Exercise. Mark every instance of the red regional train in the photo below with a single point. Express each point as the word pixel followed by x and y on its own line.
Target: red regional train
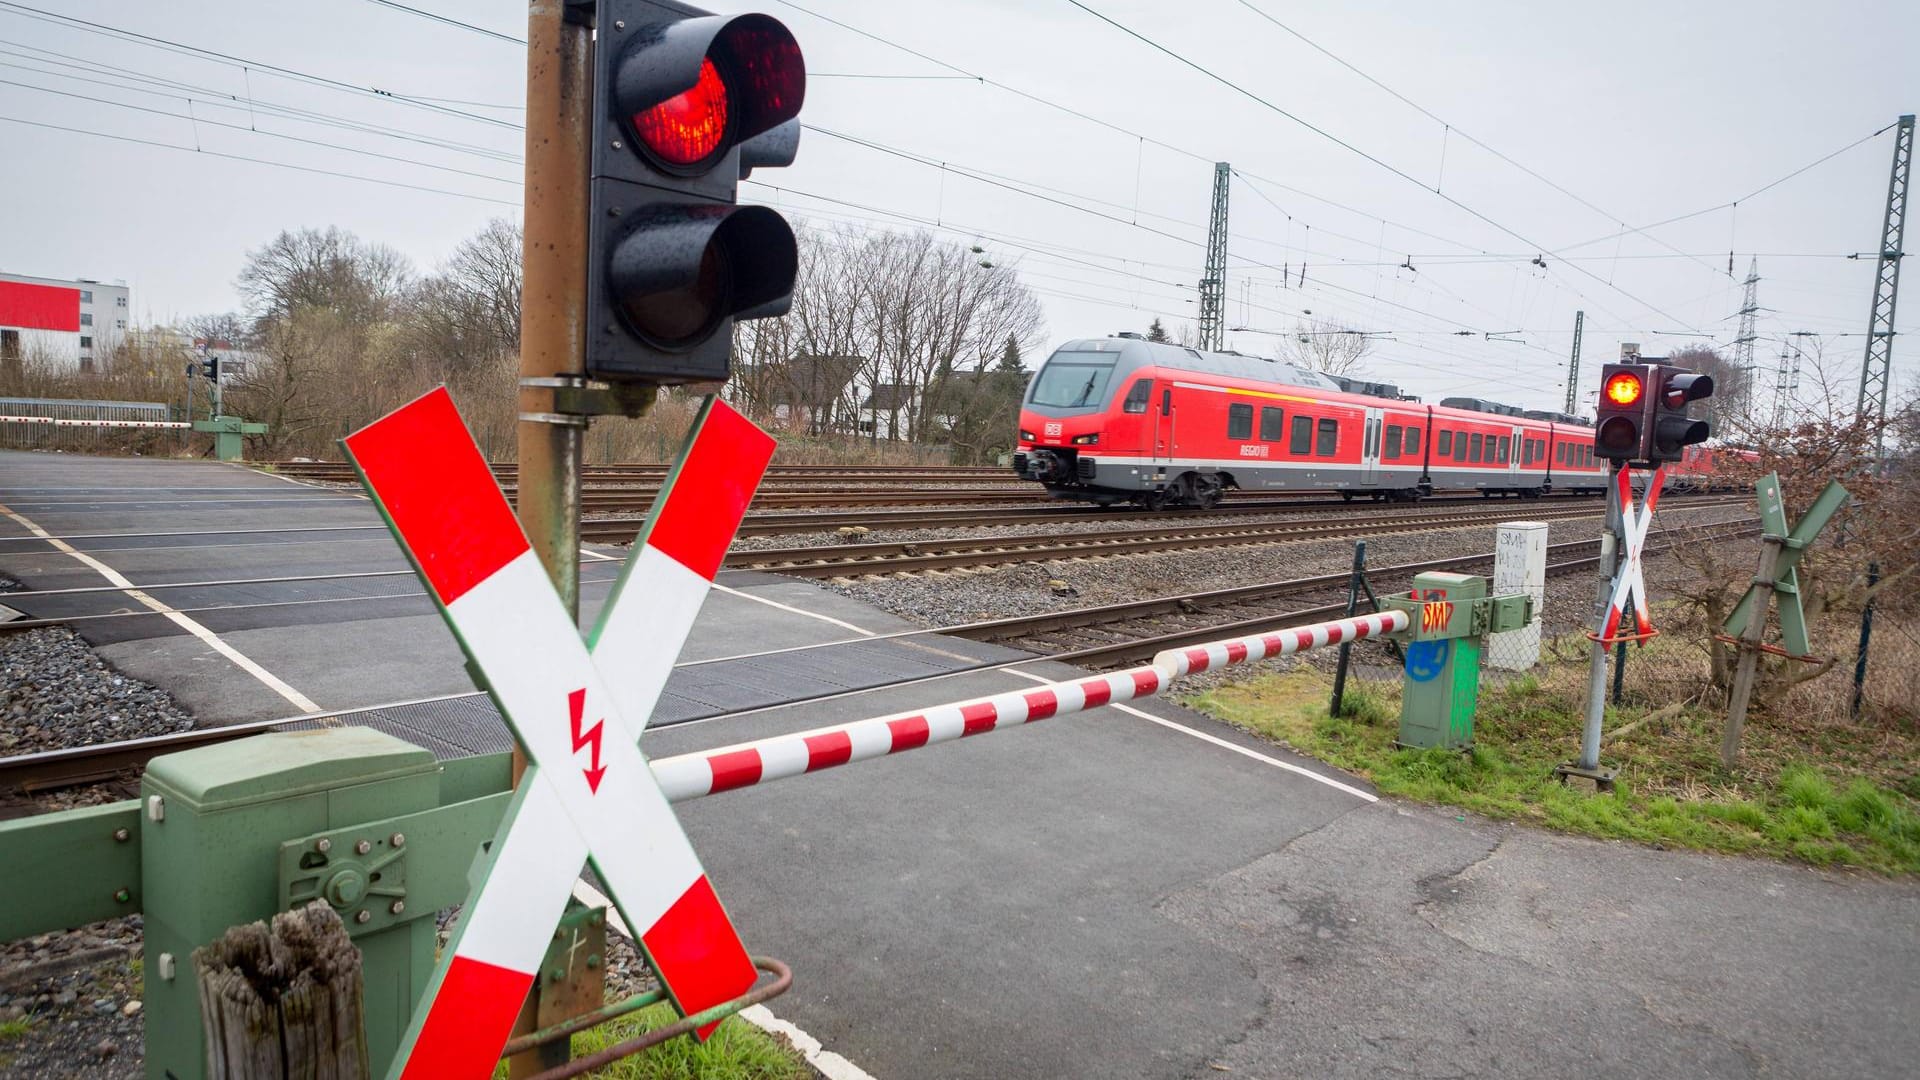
pixel 1123 419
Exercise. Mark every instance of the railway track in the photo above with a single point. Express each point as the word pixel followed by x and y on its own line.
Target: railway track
pixel 1115 635
pixel 340 472
pixel 851 560
pixel 1133 631
pixel 620 530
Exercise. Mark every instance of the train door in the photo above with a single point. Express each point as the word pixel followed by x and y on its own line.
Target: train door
pixel 1514 451
pixel 1370 448
pixel 1163 428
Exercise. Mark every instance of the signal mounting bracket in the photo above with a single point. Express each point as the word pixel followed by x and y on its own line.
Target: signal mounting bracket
pixel 577 398
pixel 580 12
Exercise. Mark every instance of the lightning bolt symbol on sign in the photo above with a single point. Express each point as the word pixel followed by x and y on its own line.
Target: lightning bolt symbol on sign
pixel 576 711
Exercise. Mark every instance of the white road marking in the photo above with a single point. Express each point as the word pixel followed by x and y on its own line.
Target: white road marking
pixel 831 1065
pixel 212 640
pixel 1217 741
pixel 794 610
pixel 361 495
pixel 592 554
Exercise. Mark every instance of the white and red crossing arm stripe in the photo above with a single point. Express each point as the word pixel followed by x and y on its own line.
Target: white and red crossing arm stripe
pixel 709 772
pixel 1199 658
pixel 589 793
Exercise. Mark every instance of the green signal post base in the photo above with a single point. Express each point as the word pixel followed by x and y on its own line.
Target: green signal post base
pixel 228 434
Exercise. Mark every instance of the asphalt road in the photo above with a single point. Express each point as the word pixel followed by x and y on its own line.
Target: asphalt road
pixel 1099 896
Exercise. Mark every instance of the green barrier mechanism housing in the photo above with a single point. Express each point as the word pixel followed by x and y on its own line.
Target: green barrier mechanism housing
pixel 1451 616
pixel 233 833
pixel 229 435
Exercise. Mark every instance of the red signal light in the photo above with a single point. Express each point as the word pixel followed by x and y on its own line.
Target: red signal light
pixel 1624 388
pixel 689 127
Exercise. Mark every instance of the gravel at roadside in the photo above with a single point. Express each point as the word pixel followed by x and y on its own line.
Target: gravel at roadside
pixel 55 692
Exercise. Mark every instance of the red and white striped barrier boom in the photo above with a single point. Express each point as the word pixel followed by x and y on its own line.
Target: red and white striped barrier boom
pixel 61 421
pixel 692 776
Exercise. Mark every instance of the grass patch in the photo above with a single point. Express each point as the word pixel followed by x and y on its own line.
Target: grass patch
pixel 737 1051
pixel 16 1029
pixel 1671 789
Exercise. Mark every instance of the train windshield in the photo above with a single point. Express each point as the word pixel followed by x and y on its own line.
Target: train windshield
pixel 1072 380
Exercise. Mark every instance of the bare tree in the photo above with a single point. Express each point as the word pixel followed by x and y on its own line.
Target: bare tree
pixel 323 268
pixel 893 309
pixel 1328 346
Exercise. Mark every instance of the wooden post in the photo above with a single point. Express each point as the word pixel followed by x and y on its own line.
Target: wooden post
pixel 1743 675
pixel 284 1003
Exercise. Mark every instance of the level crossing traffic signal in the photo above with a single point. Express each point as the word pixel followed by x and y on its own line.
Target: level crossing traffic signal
pixel 1673 429
pixel 1622 427
pixel 686 104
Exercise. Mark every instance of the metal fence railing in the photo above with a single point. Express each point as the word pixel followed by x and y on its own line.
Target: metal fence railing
pixel 78 424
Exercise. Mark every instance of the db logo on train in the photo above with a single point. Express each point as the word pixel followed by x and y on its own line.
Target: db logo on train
pixel 1436 612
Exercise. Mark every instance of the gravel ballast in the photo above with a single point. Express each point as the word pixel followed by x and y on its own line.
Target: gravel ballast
pixel 55 693
pixel 953 597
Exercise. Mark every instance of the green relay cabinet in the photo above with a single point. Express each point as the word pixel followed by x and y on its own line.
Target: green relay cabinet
pixel 236 832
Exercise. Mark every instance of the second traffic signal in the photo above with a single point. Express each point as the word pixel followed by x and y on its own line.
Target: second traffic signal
pixel 685 105
pixel 1673 430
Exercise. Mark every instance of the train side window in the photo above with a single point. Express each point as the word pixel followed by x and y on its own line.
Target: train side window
pixel 1302 436
pixel 1446 444
pixel 1329 438
pixel 1586 455
pixel 1526 452
pixel 1560 454
pixel 1166 401
pixel 1393 442
pixel 1273 426
pixel 1138 397
pixel 1506 449
pixel 1473 447
pixel 1239 421
pixel 1412 446
pixel 1459 446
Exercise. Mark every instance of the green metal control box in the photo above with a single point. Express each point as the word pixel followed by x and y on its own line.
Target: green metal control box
pixel 1450 615
pixel 234 832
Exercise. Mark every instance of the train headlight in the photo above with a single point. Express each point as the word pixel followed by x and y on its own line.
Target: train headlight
pixel 1027 436
pixel 1087 440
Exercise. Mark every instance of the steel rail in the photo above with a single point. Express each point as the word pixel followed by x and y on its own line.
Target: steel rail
pixel 852 560
pixel 53 769
pixel 767 559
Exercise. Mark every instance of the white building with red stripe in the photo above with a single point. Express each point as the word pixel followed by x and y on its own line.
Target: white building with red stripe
pixel 71 324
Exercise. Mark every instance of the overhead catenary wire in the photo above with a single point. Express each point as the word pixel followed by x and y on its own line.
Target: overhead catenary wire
pixel 961 73
pixel 1344 144
pixel 1142 139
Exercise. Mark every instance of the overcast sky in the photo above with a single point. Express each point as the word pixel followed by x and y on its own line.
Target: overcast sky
pixel 1642 110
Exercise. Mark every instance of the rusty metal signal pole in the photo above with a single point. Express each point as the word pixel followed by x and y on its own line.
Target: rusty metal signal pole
pixel 553 298
pixel 553 318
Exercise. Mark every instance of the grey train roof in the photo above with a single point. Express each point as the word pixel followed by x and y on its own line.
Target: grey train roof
pixel 1138 352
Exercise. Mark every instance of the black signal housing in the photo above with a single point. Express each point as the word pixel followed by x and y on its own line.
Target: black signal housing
pixel 1674 430
pixel 686 103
